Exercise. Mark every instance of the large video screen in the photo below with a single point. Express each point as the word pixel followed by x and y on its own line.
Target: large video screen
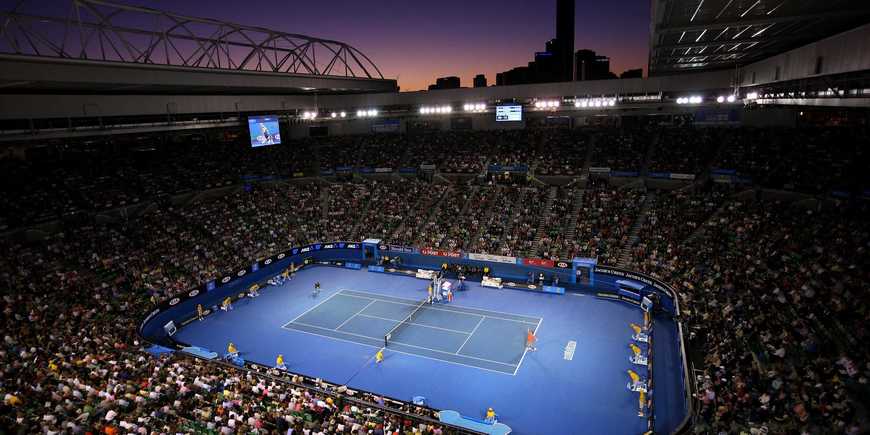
pixel 264 130
pixel 509 113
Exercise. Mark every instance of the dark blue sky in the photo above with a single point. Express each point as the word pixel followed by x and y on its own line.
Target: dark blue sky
pixel 418 41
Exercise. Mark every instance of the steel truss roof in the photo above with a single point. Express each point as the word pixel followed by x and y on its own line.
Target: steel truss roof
pixel 711 34
pixel 97 30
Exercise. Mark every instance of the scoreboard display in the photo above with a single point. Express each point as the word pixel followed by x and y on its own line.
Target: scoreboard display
pixel 509 113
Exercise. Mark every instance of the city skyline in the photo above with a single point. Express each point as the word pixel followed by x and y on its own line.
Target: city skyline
pixel 416 45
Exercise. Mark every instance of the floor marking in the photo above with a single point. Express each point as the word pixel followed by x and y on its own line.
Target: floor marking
pixel 344 292
pixel 312 308
pixel 472 333
pixel 404 344
pixel 351 317
pixel 415 324
pixel 527 348
pixel 399 351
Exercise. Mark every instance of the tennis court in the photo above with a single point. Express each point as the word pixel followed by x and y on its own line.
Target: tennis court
pixel 487 340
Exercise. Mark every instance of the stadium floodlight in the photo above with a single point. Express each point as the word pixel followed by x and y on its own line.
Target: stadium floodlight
pixel 752 96
pixel 612 102
pixel 360 113
pixel 343 114
pixel 695 99
pixel 373 112
pixel 720 99
pixel 334 115
pixel 731 99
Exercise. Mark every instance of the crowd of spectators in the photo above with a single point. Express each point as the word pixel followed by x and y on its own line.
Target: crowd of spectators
pixel 775 299
pixel 684 151
pixel 64 179
pixel 603 222
pixel 773 293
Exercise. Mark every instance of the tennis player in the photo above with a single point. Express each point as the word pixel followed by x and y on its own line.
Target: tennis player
pixel 316 291
pixel 530 340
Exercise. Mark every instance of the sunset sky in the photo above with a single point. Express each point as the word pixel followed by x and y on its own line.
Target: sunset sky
pixel 416 41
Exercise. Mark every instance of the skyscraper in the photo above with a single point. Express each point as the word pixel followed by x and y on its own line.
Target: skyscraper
pixel 564 45
pixel 557 63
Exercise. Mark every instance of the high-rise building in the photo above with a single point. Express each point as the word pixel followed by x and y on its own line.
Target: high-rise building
pixel 632 74
pixel 564 46
pixel 451 82
pixel 591 66
pixel 480 81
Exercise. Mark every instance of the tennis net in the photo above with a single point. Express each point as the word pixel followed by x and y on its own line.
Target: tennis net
pixel 404 322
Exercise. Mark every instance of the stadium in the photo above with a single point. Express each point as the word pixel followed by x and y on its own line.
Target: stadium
pixel 218 227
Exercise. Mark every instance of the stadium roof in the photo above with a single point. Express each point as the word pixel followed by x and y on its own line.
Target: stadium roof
pixel 713 34
pixel 106 47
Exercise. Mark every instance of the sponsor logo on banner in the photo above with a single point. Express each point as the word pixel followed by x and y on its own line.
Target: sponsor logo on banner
pixel 329 246
pixel 598 170
pixel 383 170
pixel 282 255
pixel 193 293
pixel 562 265
pixel 150 316
pixel 269 261
pixel 440 253
pixel 305 249
pixel 226 279
pixel 241 273
pixel 540 262
pixel 682 176
pixel 532 286
pixel 352 246
pixel 493 258
pixel 174 301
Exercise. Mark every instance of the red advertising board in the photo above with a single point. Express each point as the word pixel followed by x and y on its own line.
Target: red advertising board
pixel 540 262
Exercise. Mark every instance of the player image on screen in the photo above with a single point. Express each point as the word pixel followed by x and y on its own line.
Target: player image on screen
pixel 264 131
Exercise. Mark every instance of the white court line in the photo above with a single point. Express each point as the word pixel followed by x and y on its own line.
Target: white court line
pixel 399 351
pixel 527 348
pixel 406 344
pixel 312 308
pixel 444 309
pixel 472 333
pixel 415 324
pixel 357 313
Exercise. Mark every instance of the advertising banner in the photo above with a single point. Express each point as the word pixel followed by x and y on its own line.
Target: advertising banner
pixel 540 262
pixel 682 176
pixel 440 253
pixel 493 258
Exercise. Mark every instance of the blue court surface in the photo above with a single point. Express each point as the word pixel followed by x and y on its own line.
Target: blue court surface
pixel 464 356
